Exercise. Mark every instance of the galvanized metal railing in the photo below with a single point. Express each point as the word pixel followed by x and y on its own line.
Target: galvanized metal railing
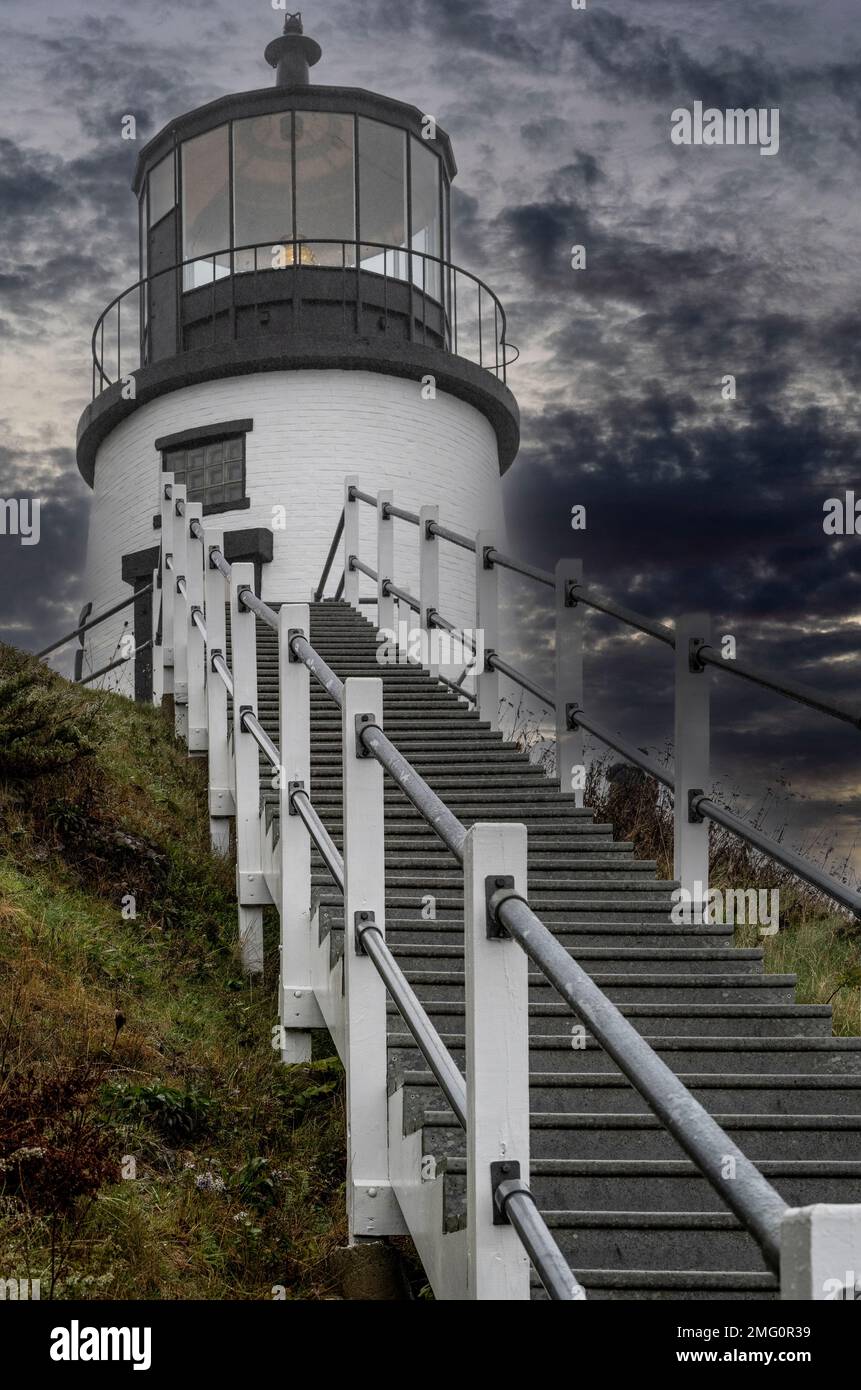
pixel 216 709
pixel 690 641
pixel 282 874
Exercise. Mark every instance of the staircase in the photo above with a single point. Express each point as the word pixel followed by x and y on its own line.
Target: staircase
pixel 631 1213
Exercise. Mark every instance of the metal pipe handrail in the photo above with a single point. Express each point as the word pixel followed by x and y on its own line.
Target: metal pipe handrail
pixel 793 690
pixel 373 943
pixel 389 509
pixel 220 666
pixel 332 857
pixel 435 619
pixel 168 562
pixel 426 801
pixel 251 724
pixel 621 745
pixel 181 586
pixel 458 689
pixel 333 548
pixel 749 1194
pixel 517 1204
pixel 434 529
pixel 495 557
pixel 753 1199
pixel 581 594
pixel 112 665
pixel 496 663
pixel 402 595
pixel 411 1010
pixel 196 530
pixel 340 589
pixel 323 674
pixel 704 806
pixel 218 562
pixel 355 563
pixel 94 622
pixel 248 599
pixel 198 620
pixel 356 495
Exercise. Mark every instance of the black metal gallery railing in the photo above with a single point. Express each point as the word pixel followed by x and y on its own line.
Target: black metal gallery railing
pixel 334 286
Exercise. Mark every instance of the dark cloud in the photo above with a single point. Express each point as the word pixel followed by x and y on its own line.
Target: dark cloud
pixel 699 263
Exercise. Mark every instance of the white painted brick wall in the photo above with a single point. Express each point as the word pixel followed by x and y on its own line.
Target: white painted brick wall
pixel 311 428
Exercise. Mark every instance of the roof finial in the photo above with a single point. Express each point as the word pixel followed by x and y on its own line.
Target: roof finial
pixel 292 54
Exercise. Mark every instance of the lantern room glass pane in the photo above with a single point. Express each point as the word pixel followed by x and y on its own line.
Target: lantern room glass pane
pixel 205 206
pixel 162 190
pixel 262 188
pixel 325 187
pixel 383 196
pixel 426 230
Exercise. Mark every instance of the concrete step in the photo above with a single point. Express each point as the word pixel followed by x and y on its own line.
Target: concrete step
pixel 400 928
pixel 702 963
pixel 658 1020
pixel 797 1091
pixel 552 910
pixel 555 1055
pixel 619 887
pixel 762 1138
pixel 580 869
pixel 661 1185
pixel 673 1285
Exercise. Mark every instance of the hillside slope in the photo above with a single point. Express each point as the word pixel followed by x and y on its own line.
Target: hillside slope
pixel 150 1144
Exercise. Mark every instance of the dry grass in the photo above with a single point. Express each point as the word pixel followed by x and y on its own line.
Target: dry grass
pixel 146 1030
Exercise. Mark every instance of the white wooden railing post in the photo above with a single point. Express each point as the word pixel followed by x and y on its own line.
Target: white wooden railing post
pixel 385 561
pixel 298 1008
pixel 168 583
pixel 428 581
pixel 351 541
pixel 372 1208
pixel 251 890
pixel 691 836
pixel 157 640
pixel 221 804
pixel 820 1253
pixel 497 1060
pixel 180 620
pixel 197 739
pixel 487 626
pixel 570 744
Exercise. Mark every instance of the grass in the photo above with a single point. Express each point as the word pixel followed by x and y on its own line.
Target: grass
pixel 151 1145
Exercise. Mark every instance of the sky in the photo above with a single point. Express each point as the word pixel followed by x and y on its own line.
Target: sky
pixel 701 261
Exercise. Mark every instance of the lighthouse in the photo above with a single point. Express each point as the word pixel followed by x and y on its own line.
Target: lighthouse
pixel 299 316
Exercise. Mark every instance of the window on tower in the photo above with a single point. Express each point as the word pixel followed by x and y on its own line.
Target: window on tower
pixel 205 207
pixel 383 196
pixel 325 185
pixel 210 461
pixel 263 187
pixel 425 229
